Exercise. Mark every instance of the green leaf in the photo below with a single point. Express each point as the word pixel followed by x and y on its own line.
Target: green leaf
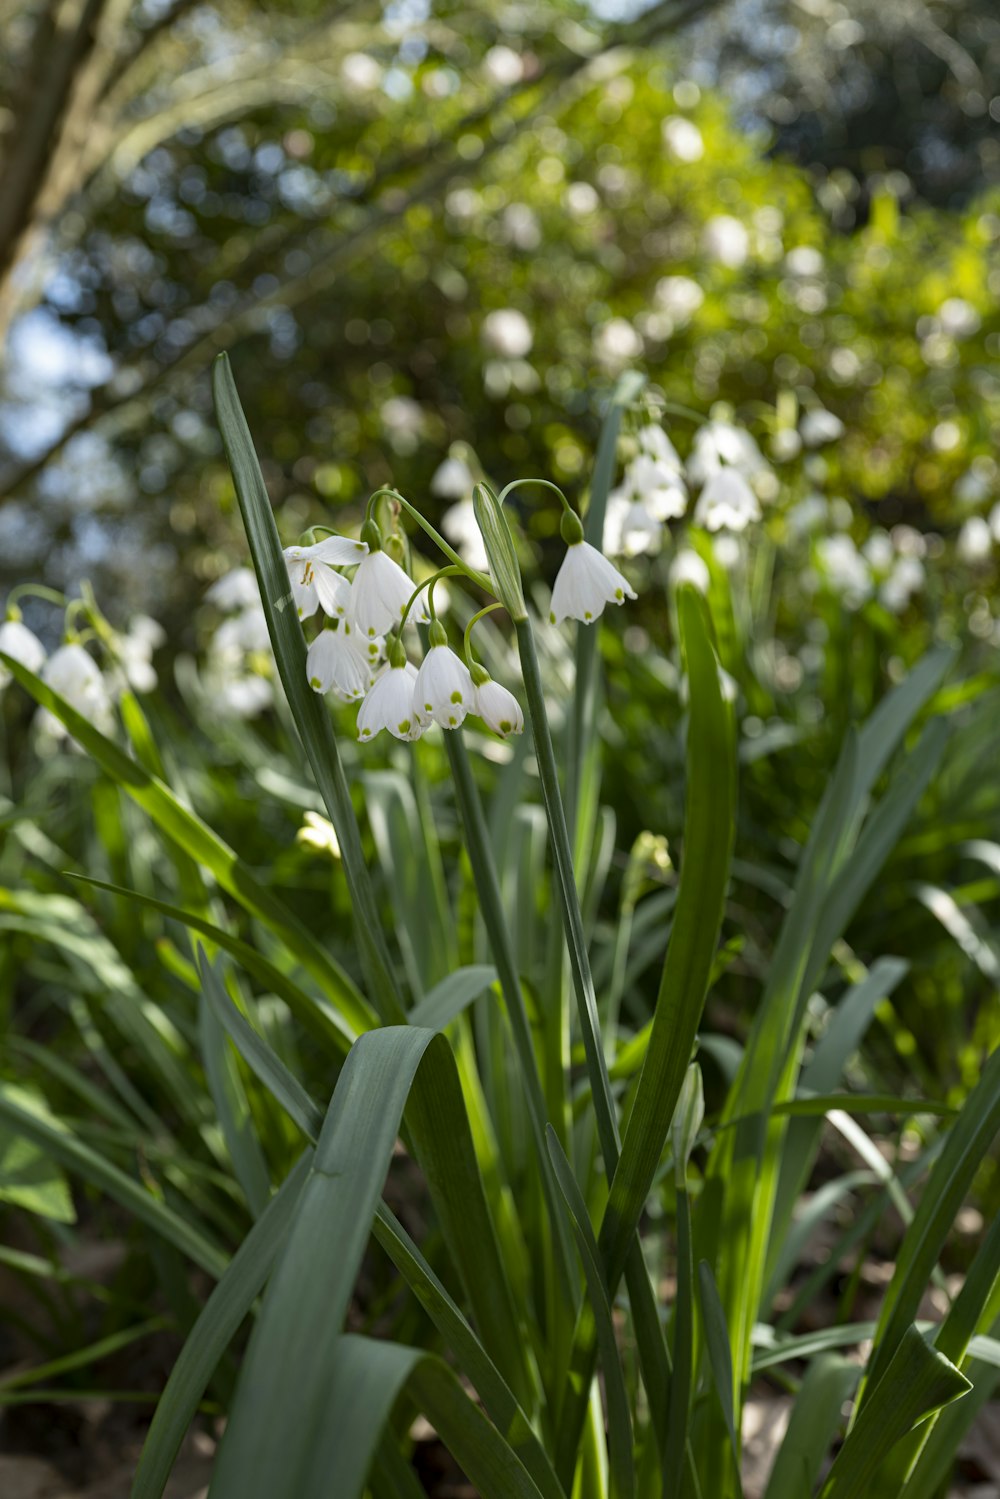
pixel 312 718
pixel 204 846
pixel 30 1179
pixel 708 835
pixel 211 1335
pixel 619 1420
pixel 32 1121
pixel 829 1381
pixel 280 1413
pixel 719 1355
pixel 448 999
pixel 366 1378
pixel 968 1142
pixel 916 1381
pixel 232 1106
pixel 323 1023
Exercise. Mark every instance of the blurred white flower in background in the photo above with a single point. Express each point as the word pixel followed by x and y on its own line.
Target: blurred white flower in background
pixel 727 241
pixel 958 318
pixel 135 650
pixel 236 589
pixel 804 260
pixel 581 199
pixel 452 480
pixel 521 227
pixel 995 522
pixel 975 540
pixel 403 420
pixel 461 528
pixel 22 645
pixel 819 426
pixel 507 333
pixel 808 514
pixel 846 570
pixel 616 342
pixel 720 444
pixel 688 567
pixel 503 66
pixel 726 503
pixel 361 72
pixel 906 579
pixel 679 297
pixel 682 138
pixel 74 674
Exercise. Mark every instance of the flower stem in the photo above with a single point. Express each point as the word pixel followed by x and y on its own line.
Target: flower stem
pixel 495 921
pixel 583 982
pixel 482 580
pixel 467 637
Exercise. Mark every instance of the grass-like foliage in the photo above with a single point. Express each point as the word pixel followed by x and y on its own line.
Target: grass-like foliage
pixel 566 1154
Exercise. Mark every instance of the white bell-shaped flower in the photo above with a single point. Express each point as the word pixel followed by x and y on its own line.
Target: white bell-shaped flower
pixel 444 691
pixel 688 567
pixel 76 676
pixel 586 581
pixel 727 503
pixel 313 579
pixel 379 595
pixel 389 704
pixel 452 479
pixel 236 589
pixel 655 443
pixel 338 661
pixel 22 645
pixel 498 708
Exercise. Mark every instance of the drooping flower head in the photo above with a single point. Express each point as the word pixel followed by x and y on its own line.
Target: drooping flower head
pixel 390 704
pixel 22 645
pixel 586 581
pixel 339 661
pixel 498 708
pixel 313 579
pixel 381 590
pixel 443 692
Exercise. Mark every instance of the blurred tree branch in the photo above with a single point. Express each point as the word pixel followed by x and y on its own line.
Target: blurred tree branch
pixel 436 164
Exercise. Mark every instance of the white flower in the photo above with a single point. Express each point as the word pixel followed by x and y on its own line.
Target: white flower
pixel 236 589
pixel 906 579
pixel 443 690
pixel 680 298
pixel 22 645
pixel 819 426
pixel 380 593
pixel 312 576
pixel 498 708
pixel 975 540
pixel 654 441
pixel 630 527
pixel 243 632
pixel 658 486
pixel 682 138
pixel 958 318
pixel 76 676
pixel 390 704
pixel 338 661
pixel 688 567
pixel 507 332
pixel 995 522
pixel 452 479
pixel 460 526
pixel 586 581
pixel 846 568
pixel 726 240
pixel 503 66
pixel 616 342
pixel 727 503
pixel 879 551
pixel 720 444
pixel 804 260
pixel 242 696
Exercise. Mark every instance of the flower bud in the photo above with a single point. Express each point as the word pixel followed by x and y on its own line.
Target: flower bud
pixel 499 544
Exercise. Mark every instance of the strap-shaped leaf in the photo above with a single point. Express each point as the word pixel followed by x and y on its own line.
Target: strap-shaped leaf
pixel 708 835
pixel 206 848
pixel 312 718
pixel 917 1381
pixel 217 1325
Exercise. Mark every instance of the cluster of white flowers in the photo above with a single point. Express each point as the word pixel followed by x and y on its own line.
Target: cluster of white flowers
pixel 238 652
pixel 725 465
pixel 73 673
pixel 368 601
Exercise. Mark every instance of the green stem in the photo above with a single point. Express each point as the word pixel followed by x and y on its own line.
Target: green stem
pixel 583 982
pixel 442 572
pixel 36 591
pixel 481 580
pixel 542 484
pixel 495 921
pixel 467 637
